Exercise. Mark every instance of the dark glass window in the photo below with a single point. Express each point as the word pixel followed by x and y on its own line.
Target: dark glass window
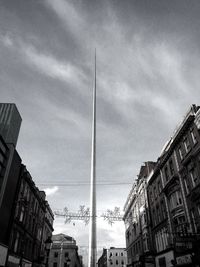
pixel 55 254
pixel 171 167
pixel 166 174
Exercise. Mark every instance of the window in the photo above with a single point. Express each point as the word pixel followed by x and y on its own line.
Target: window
pixel 122 254
pixel 155 192
pixel 151 196
pixel 187 188
pixel 117 262
pixel 180 152
pixel 194 138
pixel 55 264
pixel 198 208
pixel 175 200
pixel 166 174
pixel 180 225
pixel 193 176
pixel 158 213
pixel 159 187
pixel 66 254
pixel 154 217
pixel 16 242
pixel 161 239
pixel 22 214
pixel 55 254
pixel 122 262
pixel 171 167
pixel 162 262
pixel 111 252
pixel 116 254
pixel 193 220
pixel 186 144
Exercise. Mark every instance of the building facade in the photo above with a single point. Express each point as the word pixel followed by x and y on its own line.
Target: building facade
pixel 172 205
pixel 113 257
pixel 174 195
pixel 10 121
pixel 137 222
pixel 64 252
pixel 27 244
pixel 26 218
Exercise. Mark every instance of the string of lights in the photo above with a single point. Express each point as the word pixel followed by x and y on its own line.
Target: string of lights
pixel 81 183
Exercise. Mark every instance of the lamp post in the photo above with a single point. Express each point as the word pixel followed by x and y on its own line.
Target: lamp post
pixel 48 243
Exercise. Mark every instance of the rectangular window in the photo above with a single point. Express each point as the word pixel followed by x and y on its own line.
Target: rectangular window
pixel 158 213
pixel 166 174
pixel 179 198
pixel 155 192
pixel 16 242
pixel 55 254
pixel 171 167
pixel 194 138
pixel 187 189
pixel 186 143
pixel 159 187
pixel 198 208
pixel 162 262
pixel 193 176
pixel 180 153
pixel 55 264
pixel 163 210
pixel 194 221
pixel 22 214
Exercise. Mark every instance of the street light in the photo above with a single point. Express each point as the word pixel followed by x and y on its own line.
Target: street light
pixel 48 243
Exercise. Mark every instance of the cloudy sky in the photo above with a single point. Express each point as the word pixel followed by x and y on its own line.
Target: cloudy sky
pixel 147 77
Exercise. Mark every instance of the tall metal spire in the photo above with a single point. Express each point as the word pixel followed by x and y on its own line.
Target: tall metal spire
pixel 92 260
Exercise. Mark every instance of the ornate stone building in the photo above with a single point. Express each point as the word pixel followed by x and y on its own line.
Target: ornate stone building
pixel 64 252
pixel 113 257
pixel 137 222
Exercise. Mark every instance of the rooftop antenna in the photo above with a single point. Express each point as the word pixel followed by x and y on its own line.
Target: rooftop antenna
pixel 92 260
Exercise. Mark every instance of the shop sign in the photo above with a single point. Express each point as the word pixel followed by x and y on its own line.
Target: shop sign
pixel 184 245
pixel 3 255
pixel 186 259
pixel 26 263
pixel 13 259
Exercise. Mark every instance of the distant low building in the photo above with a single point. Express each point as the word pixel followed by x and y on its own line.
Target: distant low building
pixel 113 257
pixel 64 252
